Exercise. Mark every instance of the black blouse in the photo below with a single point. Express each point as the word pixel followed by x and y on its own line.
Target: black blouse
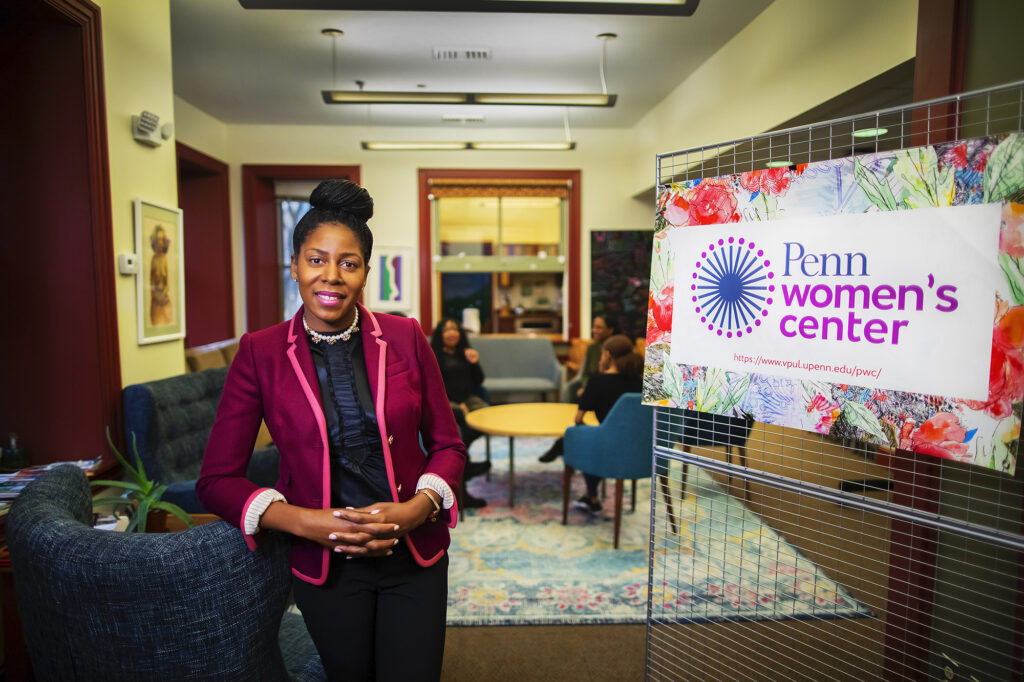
pixel 358 472
pixel 460 376
pixel 604 389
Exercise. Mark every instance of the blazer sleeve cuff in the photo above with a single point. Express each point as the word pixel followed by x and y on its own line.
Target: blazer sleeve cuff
pixel 438 485
pixel 254 510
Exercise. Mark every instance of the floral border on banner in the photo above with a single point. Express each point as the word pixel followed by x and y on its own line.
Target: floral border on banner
pixel 982 170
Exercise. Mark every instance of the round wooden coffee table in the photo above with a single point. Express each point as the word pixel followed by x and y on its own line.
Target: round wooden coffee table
pixel 524 420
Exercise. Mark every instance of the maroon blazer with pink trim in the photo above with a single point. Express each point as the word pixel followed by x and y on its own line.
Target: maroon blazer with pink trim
pixel 272 378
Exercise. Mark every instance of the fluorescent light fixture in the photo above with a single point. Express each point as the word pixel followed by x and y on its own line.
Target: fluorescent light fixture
pixel 545 99
pixel 371 97
pixel 779 164
pixel 870 132
pixel 440 146
pixel 663 8
pixel 524 146
pixel 506 98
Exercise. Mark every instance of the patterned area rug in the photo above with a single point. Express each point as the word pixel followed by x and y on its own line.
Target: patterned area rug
pixel 521 566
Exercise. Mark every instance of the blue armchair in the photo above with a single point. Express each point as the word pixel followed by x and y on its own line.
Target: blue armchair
pixel 620 448
pixel 194 605
pixel 171 421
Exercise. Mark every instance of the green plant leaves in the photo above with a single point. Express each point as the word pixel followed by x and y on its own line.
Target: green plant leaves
pixel 176 510
pixel 138 522
pixel 813 389
pixel 120 458
pixel 858 414
pixel 140 491
pixel 1012 270
pixel 734 394
pixel 120 484
pixel 116 501
pixel 709 387
pixel 672 380
pixel 717 394
pixel 1004 171
pixel 878 191
pixel 924 185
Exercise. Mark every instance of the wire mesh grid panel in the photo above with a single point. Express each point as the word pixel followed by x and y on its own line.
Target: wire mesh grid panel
pixel 981 113
pixel 827 575
pixel 779 553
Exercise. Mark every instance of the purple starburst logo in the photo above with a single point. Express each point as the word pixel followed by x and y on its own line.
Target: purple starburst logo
pixel 732 287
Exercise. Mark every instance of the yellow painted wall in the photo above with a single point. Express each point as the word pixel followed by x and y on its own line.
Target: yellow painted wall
pixel 137 76
pixel 792 57
pixel 197 129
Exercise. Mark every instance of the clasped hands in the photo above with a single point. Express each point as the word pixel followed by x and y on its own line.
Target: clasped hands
pixel 369 531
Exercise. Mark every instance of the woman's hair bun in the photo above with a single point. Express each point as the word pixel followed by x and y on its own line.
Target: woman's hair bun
pixel 343 196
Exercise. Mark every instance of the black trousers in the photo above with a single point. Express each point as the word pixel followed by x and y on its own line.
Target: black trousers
pixel 378 618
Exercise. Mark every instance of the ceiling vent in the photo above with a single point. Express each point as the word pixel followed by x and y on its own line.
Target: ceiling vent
pixel 462 54
pixel 455 118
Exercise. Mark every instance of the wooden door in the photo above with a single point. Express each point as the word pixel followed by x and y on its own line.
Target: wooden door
pixel 60 373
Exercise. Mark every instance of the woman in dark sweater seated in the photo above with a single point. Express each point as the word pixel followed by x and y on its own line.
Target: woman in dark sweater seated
pixel 621 371
pixel 463 376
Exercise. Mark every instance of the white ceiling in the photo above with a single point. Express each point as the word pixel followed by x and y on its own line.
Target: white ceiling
pixel 269 66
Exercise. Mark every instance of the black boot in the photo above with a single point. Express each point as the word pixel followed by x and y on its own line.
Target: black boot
pixel 471 502
pixel 474 469
pixel 554 452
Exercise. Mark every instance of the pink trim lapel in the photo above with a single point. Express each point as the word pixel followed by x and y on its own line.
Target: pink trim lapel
pixel 312 397
pixel 378 385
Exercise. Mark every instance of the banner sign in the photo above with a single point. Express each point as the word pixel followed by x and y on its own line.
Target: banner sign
pixel 879 298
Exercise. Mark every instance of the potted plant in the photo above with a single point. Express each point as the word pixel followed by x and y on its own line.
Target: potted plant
pixel 142 496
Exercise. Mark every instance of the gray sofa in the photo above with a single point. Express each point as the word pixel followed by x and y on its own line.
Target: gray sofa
pixel 519 364
pixel 171 421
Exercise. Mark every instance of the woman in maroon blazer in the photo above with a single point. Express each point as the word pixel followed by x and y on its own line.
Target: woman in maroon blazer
pixel 347 396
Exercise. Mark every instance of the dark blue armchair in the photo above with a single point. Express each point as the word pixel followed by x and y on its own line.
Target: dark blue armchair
pixel 193 605
pixel 171 421
pixel 619 448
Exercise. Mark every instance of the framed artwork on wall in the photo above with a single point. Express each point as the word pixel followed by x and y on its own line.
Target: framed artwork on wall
pixel 160 278
pixel 620 264
pixel 389 282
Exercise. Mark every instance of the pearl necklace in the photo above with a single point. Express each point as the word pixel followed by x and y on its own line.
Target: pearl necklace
pixel 332 338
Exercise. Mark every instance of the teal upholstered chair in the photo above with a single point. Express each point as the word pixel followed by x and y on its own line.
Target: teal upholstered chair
pixel 619 448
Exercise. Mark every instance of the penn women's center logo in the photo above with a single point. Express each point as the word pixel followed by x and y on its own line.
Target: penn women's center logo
pixel 732 287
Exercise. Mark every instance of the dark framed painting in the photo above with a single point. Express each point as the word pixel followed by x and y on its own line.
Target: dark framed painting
pixel 620 277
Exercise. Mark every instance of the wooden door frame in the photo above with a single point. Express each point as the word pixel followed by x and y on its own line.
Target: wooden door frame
pixel 83 18
pixel 86 15
pixel 262 289
pixel 939 67
pixel 219 169
pixel 572 257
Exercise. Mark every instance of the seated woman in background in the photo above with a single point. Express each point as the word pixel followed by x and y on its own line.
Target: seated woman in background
pixel 621 372
pixel 603 327
pixel 463 376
